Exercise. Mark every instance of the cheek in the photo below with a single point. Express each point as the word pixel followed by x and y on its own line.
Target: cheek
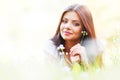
pixel 61 27
pixel 78 32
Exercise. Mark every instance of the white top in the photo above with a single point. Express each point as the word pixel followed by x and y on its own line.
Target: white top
pixel 51 51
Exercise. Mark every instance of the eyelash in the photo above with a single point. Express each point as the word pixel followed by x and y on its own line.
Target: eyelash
pixel 76 24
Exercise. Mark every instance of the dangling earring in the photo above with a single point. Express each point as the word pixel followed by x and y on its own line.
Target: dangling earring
pixel 84 33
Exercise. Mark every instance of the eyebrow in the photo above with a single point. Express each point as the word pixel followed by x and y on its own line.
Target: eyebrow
pixel 75 20
pixel 72 20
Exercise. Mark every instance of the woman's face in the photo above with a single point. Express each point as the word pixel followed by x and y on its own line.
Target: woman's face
pixel 71 26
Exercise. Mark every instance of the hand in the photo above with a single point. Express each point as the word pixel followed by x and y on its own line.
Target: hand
pixel 78 54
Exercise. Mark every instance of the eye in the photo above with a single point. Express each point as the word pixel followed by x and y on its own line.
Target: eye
pixel 64 21
pixel 76 24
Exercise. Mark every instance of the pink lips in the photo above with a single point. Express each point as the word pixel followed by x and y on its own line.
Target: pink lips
pixel 67 33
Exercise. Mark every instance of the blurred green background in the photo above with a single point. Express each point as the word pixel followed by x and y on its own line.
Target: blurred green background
pixel 26 24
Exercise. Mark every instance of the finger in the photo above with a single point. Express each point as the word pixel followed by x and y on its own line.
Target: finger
pixel 75 51
pixel 75 58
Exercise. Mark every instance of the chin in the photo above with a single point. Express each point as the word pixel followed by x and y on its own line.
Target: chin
pixel 67 38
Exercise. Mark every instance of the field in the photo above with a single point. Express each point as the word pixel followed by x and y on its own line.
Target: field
pixel 26 24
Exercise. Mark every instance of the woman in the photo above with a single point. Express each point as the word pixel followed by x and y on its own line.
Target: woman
pixel 75 38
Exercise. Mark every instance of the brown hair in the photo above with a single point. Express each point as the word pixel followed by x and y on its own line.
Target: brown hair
pixel 86 18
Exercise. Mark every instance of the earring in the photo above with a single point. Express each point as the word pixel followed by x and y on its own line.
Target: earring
pixel 84 33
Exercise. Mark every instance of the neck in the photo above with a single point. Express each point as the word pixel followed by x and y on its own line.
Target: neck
pixel 69 44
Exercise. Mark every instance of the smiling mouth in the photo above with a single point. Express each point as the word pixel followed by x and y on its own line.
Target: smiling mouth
pixel 67 33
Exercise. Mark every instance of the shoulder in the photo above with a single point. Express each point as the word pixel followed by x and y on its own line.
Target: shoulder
pixel 94 48
pixel 49 48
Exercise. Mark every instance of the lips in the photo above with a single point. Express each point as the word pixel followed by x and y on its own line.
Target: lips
pixel 67 33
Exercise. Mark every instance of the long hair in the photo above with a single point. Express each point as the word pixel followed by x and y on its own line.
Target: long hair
pixel 87 21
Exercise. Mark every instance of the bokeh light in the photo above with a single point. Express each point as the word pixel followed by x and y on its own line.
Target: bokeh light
pixel 26 24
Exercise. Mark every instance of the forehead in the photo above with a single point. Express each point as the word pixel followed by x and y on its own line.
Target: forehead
pixel 71 15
